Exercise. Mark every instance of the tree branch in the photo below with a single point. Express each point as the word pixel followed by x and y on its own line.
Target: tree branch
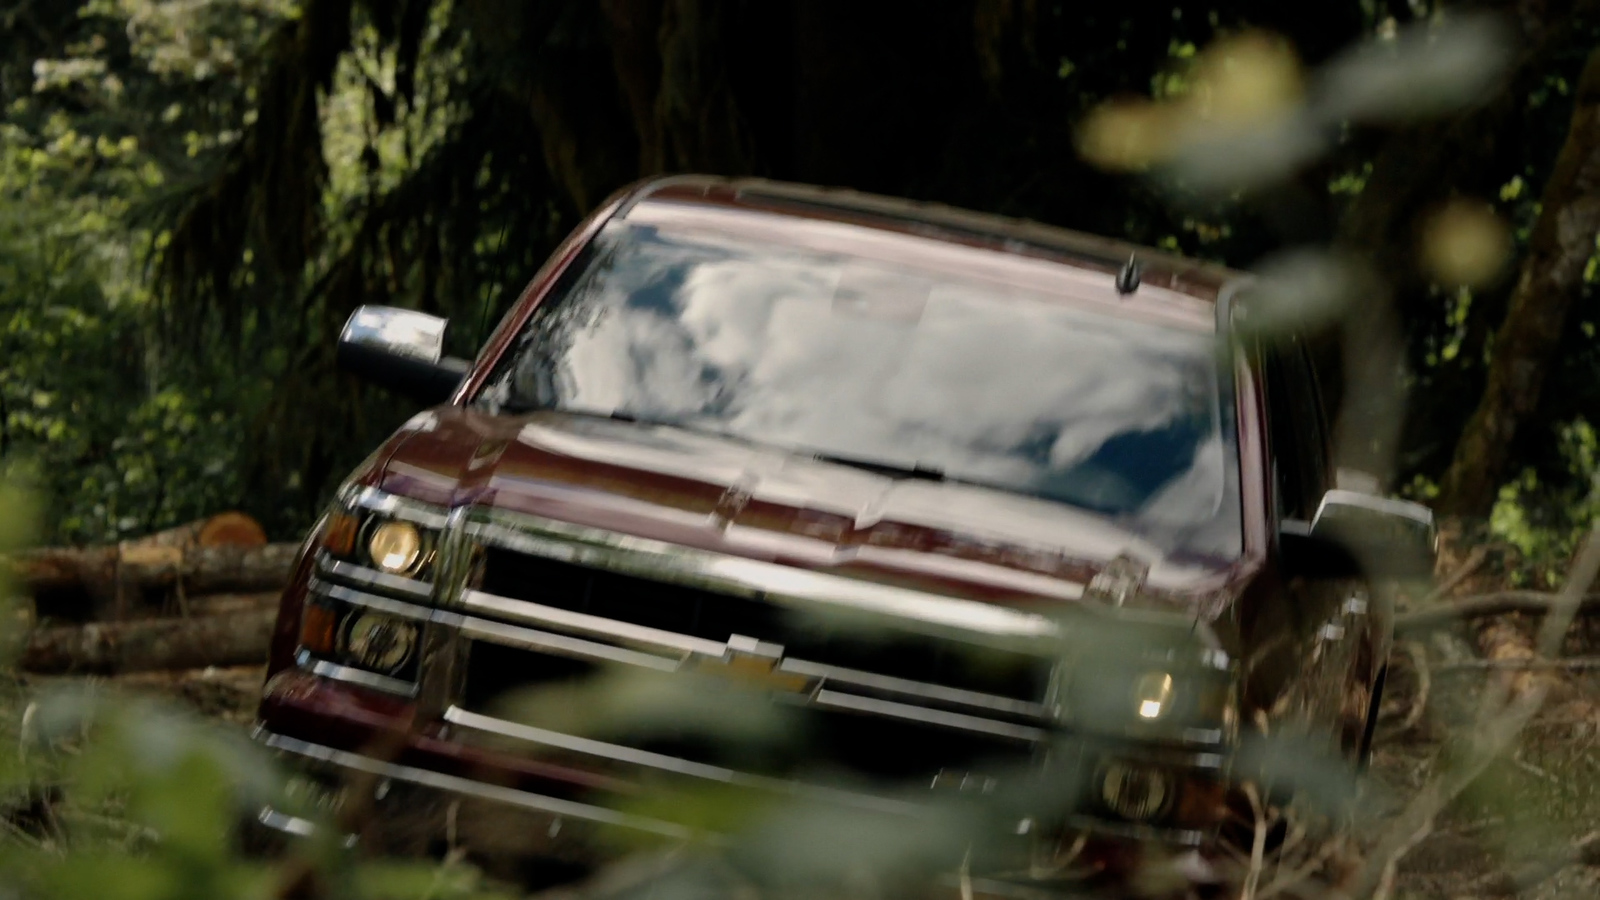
pixel 1478 606
pixel 1502 717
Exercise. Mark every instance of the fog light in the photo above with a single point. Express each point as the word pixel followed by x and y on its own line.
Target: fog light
pixel 395 547
pixel 379 643
pixel 1152 695
pixel 1136 793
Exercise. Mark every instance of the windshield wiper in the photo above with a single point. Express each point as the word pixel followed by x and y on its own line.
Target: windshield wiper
pixel 916 470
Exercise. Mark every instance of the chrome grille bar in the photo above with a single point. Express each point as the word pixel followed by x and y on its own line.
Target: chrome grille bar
pixel 951 617
pixel 469 787
pixel 396 507
pixel 840 700
pixel 362 576
pixel 527 611
pixel 889 684
pixel 662 762
pixel 562 645
pixel 661 651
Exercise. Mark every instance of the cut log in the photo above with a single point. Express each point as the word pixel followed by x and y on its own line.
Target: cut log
pixel 185 535
pixel 63 568
pixel 167 549
pixel 58 568
pixel 228 529
pixel 214 569
pixel 200 569
pixel 233 604
pixel 231 529
pixel 151 644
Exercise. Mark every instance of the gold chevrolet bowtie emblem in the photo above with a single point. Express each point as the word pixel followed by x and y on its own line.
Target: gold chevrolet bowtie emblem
pixel 755 663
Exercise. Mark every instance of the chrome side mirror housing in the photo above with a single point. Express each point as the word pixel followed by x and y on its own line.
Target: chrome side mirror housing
pixel 401 350
pixel 399 332
pixel 1359 533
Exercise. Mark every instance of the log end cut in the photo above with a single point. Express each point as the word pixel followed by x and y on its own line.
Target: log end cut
pixel 231 529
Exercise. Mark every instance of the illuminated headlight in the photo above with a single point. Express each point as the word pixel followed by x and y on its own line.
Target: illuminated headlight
pixel 1135 792
pixel 1156 698
pixel 395 547
pixel 378 643
pixel 1152 695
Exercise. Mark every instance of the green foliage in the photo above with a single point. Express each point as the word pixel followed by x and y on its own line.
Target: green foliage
pixel 119 430
pixel 117 797
pixel 193 197
pixel 110 796
pixel 1546 520
pixel 109 431
pixel 17 517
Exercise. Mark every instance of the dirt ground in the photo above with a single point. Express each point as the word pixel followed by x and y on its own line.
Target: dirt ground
pixel 1530 825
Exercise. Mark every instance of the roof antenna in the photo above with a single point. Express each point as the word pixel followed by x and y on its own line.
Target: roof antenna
pixel 1128 278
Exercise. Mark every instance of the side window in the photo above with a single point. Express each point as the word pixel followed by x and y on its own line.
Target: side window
pixel 1297 428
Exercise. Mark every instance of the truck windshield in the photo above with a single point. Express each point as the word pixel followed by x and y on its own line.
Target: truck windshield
pixel 893 369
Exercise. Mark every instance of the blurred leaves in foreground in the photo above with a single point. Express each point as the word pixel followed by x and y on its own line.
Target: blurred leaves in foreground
pixel 111 796
pixel 1465 243
pixel 121 797
pixel 17 517
pixel 114 798
pixel 1245 115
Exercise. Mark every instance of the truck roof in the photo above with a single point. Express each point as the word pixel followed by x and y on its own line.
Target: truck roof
pixel 936 221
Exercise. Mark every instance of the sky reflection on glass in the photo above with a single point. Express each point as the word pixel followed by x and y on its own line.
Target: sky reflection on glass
pixel 852 358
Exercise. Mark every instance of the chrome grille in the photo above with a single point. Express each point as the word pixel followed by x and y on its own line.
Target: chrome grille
pixel 824 745
pixel 708 615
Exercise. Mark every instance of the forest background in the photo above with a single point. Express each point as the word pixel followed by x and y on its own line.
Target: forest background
pixel 194 194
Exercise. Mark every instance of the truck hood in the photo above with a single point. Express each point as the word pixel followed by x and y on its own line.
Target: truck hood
pixel 721 494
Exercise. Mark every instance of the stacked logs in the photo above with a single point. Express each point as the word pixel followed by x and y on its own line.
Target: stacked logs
pixel 202 594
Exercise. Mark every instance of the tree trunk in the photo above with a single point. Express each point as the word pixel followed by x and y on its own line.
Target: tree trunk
pixel 198 570
pixel 230 640
pixel 566 85
pixel 875 98
pixel 632 26
pixel 700 122
pixel 1549 283
pixel 1419 166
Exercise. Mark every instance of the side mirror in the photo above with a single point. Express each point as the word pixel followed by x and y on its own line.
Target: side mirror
pixel 401 350
pixel 1356 533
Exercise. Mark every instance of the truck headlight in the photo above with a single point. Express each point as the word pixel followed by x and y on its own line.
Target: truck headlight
pixel 378 643
pixel 1136 792
pixel 395 547
pixel 1157 696
pixel 1152 694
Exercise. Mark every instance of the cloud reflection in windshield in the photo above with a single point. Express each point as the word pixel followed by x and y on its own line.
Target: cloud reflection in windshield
pixel 855 359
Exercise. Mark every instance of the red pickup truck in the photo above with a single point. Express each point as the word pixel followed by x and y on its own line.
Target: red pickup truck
pixel 989 511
